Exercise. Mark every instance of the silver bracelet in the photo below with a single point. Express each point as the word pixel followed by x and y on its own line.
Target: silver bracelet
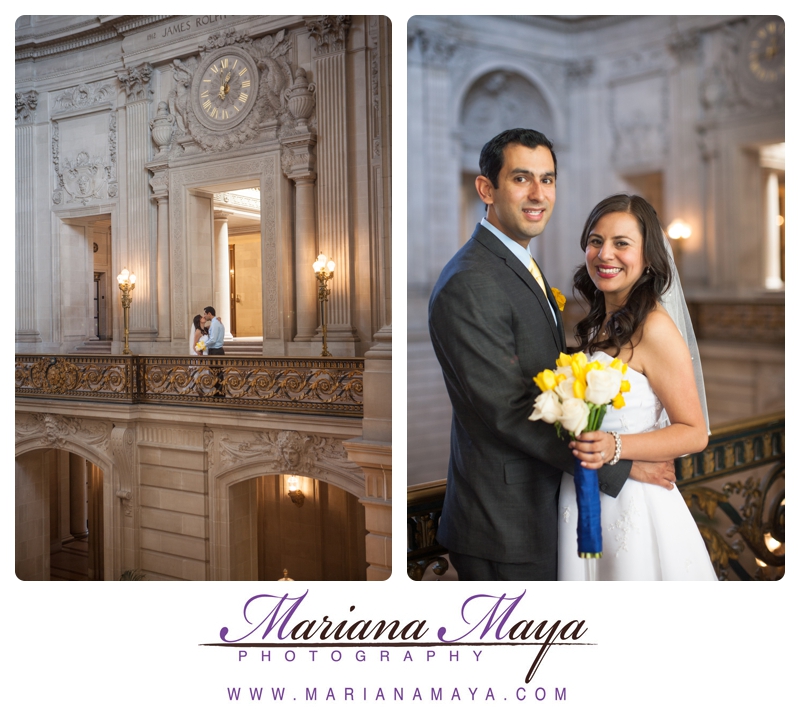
pixel 617 447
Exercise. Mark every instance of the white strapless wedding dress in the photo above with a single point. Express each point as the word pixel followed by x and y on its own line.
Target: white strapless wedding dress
pixel 648 531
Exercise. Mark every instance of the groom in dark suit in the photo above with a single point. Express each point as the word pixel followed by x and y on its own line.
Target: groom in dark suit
pixel 495 324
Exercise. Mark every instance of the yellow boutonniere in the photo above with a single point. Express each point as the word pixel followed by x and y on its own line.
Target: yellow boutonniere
pixel 561 300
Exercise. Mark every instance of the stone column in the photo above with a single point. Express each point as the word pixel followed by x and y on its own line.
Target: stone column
pixel 330 34
pixel 772 233
pixel 95 479
pixel 25 198
pixel 162 129
pixel 140 259
pixel 299 165
pixel 78 503
pixel 222 275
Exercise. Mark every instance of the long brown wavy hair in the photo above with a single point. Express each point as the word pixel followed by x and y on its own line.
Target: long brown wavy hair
pixel 645 293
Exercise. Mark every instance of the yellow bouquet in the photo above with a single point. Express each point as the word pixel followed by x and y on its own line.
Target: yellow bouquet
pixel 576 395
pixel 200 346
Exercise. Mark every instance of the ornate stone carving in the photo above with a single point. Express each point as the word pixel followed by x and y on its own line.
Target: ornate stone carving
pixel 58 431
pixel 288 451
pixel 208 445
pixel 123 438
pixel 640 120
pixel 179 95
pixel 719 88
pixel 25 106
pixel 329 32
pixel 300 98
pixel 162 128
pixel 685 46
pixel 271 115
pixel 112 153
pixel 136 81
pixel 83 178
pixel 431 49
pixel 579 72
pixel 83 95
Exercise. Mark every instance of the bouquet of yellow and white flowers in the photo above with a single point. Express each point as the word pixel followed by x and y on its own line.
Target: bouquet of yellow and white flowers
pixel 576 395
pixel 200 346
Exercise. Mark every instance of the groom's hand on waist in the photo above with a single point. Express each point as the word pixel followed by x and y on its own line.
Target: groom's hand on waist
pixel 654 473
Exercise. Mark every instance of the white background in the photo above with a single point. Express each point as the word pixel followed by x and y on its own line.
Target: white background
pixel 659 648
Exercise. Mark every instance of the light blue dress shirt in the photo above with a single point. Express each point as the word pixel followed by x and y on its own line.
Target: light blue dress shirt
pixel 522 254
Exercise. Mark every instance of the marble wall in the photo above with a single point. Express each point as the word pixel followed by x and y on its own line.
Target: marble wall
pixel 667 106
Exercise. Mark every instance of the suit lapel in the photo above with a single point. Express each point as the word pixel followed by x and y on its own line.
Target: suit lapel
pixel 491 242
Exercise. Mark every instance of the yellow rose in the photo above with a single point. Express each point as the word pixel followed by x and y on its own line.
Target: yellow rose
pixel 617 364
pixel 564 360
pixel 578 363
pixel 579 389
pixel 618 402
pixel 561 300
pixel 625 386
pixel 546 380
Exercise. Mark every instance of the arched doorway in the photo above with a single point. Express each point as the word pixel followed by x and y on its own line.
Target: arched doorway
pixel 59 517
pixel 312 529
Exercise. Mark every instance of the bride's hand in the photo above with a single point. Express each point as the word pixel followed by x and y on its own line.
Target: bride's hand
pixel 593 449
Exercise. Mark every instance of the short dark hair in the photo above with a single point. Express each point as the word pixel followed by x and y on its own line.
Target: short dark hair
pixel 210 309
pixel 491 161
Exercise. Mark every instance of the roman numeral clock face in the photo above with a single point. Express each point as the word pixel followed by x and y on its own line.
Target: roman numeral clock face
pixel 224 89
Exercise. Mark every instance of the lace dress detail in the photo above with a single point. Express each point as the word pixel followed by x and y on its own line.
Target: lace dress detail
pixel 648 531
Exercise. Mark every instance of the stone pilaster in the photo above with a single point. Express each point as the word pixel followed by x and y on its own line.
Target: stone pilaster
pixel 375 459
pixel 160 185
pixel 140 259
pixel 222 276
pixel 299 163
pixel 25 198
pixel 330 34
pixel 78 496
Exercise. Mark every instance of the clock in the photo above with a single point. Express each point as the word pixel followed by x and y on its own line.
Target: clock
pixel 765 54
pixel 224 88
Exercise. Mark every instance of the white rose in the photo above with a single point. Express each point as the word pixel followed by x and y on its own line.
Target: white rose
pixel 546 407
pixel 574 415
pixel 602 386
pixel 564 388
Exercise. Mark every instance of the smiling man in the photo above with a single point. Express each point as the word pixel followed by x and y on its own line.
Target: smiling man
pixel 494 324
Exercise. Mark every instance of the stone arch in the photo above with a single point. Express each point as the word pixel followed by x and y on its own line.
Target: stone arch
pixel 90 440
pixel 504 77
pixel 234 460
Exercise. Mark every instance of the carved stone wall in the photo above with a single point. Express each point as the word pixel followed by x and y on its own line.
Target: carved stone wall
pixel 169 477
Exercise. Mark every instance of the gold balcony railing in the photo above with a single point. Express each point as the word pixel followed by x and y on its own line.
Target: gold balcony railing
pixel 735 490
pixel 322 386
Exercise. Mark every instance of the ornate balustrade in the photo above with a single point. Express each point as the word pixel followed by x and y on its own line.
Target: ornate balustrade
pixel 322 386
pixel 735 489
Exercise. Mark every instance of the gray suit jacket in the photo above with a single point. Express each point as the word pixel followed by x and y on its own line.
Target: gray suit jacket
pixel 492 331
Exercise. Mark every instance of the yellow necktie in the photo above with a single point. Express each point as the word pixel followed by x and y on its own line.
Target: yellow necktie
pixel 537 274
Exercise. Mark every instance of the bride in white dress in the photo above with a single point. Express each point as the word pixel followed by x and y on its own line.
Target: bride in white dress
pixel 628 279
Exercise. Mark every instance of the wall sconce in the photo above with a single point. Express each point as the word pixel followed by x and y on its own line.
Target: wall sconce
pixel 679 231
pixel 127 282
pixel 323 270
pixel 295 494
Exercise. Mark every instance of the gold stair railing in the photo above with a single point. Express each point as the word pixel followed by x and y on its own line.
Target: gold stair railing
pixel 323 386
pixel 735 490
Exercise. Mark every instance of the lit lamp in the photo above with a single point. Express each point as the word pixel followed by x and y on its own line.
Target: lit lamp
pixel 295 493
pixel 679 231
pixel 127 282
pixel 323 269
